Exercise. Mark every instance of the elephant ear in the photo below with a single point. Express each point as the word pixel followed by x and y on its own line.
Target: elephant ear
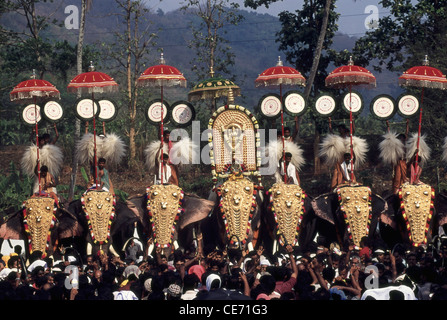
pixel 11 226
pixel 138 205
pixel 195 209
pixel 382 209
pixel 325 206
pixel 69 224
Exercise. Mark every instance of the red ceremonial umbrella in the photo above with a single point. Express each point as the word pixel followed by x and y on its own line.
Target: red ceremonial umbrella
pixel 423 77
pixel 33 90
pixel 159 76
pixel 92 82
pixel 346 77
pixel 278 76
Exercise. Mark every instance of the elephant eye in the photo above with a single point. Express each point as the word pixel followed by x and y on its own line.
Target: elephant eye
pixel 90 199
pixel 278 193
pixel 155 193
pixel 48 208
pixel 175 194
pixel 298 194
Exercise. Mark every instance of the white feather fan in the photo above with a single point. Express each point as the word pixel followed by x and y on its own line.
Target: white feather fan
pixel 50 155
pixel 274 151
pixel 359 147
pixel 424 149
pixel 332 149
pixel 150 155
pixel 391 149
pixel 183 152
pixel 110 147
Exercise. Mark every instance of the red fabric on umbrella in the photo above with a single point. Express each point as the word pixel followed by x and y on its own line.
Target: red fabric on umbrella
pixel 92 82
pixel 350 75
pixel 161 75
pixel 33 88
pixel 423 77
pixel 280 75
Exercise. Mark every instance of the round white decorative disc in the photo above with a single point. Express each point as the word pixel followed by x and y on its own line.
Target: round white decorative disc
pixel 271 106
pixel 325 105
pixel 294 103
pixel 383 107
pixel 30 113
pixel 352 102
pixel 107 110
pixel 408 105
pixel 182 113
pixel 154 112
pixel 53 111
pixel 85 108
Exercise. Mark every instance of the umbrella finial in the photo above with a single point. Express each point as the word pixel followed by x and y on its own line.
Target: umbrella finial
pixel 162 59
pixel 350 62
pixel 91 67
pixel 425 61
pixel 279 63
pixel 34 75
pixel 211 72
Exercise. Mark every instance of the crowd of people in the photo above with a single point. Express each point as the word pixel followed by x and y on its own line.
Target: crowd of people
pixel 321 273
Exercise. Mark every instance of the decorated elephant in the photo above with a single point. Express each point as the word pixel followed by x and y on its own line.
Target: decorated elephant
pixel 236 218
pixel 40 224
pixel 411 213
pixel 102 223
pixel 237 193
pixel 286 206
pixel 286 217
pixel 169 216
pixel 349 214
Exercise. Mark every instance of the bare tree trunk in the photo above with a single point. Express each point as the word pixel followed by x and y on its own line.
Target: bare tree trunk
pixel 310 81
pixel 79 54
pixel 132 147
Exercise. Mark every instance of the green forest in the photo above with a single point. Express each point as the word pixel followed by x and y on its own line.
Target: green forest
pixel 123 38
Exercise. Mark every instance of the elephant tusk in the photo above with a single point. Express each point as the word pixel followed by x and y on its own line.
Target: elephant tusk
pixel 113 251
pixel 89 248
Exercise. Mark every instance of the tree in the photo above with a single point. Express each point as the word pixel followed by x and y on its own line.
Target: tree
pixel 130 51
pixel 212 51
